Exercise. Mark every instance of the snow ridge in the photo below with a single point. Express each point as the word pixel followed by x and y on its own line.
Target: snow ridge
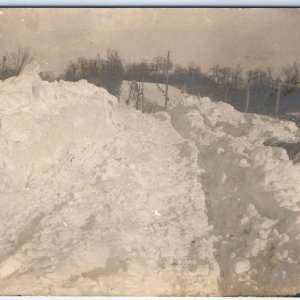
pixel 251 194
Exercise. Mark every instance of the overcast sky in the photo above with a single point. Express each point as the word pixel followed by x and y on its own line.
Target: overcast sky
pixel 249 37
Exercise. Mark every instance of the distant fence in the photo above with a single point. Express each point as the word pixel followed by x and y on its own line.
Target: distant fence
pixel 268 100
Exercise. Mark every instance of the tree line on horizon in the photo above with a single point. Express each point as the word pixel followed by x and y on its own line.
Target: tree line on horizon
pixel 219 82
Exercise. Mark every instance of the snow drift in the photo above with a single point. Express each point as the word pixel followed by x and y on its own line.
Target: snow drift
pixel 252 194
pixel 42 121
pixel 95 200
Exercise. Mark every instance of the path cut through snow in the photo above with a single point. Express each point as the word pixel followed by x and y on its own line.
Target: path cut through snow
pixel 252 195
pixel 100 199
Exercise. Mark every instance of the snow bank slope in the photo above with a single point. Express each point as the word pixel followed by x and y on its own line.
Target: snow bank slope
pixel 42 121
pixel 97 201
pixel 252 194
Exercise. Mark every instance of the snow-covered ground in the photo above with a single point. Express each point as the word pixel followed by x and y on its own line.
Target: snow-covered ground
pixel 100 199
pixel 294 117
pixel 252 195
pixel 96 200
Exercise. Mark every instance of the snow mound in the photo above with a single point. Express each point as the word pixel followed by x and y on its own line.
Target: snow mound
pixel 252 193
pixel 97 200
pixel 42 121
pixel 245 134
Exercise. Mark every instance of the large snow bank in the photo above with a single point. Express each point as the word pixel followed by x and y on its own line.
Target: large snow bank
pixel 97 201
pixel 45 129
pixel 252 191
pixel 42 121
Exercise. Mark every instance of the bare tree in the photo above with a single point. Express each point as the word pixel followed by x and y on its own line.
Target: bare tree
pixel 260 77
pixel 17 60
pixel 161 65
pixel 215 74
pixel 236 77
pixel 291 77
pixel 71 72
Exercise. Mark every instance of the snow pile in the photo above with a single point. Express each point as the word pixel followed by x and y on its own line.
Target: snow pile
pixel 97 198
pixel 42 121
pixel 97 201
pixel 207 121
pixel 252 194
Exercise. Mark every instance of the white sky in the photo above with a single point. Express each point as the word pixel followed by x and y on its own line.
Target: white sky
pixel 249 37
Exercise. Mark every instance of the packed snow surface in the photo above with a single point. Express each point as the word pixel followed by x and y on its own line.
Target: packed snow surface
pixel 100 199
pixel 96 200
pixel 252 194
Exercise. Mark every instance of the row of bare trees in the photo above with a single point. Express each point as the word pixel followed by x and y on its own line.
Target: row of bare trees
pixel 264 91
pixel 253 90
pixel 112 66
pixel 235 77
pixel 155 71
pixel 107 71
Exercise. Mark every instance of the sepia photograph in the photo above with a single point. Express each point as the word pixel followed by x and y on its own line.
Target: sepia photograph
pixel 149 151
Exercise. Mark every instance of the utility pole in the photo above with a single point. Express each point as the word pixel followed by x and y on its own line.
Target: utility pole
pixel 226 92
pixel 247 98
pixel 142 96
pixel 277 106
pixel 167 81
pixel 4 62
